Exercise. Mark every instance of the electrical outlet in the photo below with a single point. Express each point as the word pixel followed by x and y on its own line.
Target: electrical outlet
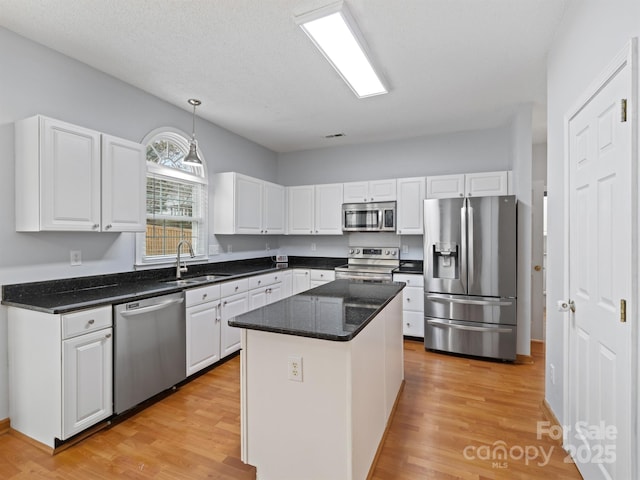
pixel 267 247
pixel 294 368
pixel 214 249
pixel 405 248
pixel 76 257
pixel 313 247
pixel 552 373
pixel 229 248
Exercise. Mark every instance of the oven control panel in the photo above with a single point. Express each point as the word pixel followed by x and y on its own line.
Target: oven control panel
pixel 379 253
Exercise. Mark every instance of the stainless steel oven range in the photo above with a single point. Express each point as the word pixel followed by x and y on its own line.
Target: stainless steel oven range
pixel 374 264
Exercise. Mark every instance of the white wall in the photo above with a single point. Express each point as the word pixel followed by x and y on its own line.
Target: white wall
pixel 590 35
pixel 522 151
pixel 476 151
pixel 36 80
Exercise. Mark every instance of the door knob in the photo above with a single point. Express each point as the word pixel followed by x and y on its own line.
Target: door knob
pixel 537 268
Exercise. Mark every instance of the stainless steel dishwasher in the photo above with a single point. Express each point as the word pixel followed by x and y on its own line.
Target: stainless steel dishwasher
pixel 149 349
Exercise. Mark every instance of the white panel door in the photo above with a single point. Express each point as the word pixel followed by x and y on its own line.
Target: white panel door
pixel 382 190
pixel 124 173
pixel 356 192
pixel 273 209
pixel 445 186
pixel 328 209
pixel 230 336
pixel 410 193
pixel 70 177
pixel 301 210
pixel 203 336
pixel 301 281
pixel 602 214
pixel 248 204
pixel 486 184
pixel 87 370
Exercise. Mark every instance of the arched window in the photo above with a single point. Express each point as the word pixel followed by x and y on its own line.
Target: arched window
pixel 176 200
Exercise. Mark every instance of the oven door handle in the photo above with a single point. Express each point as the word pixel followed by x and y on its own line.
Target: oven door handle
pixel 439 323
pixel 464 301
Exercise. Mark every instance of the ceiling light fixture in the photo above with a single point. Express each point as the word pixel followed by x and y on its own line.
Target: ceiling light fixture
pixel 334 32
pixel 192 157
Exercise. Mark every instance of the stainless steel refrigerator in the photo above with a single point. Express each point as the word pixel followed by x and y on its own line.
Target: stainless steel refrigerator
pixel 470 256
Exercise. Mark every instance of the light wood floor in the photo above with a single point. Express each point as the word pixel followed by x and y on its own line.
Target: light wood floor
pixel 449 406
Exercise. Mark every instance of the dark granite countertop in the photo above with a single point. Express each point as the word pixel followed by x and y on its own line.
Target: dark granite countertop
pixel 66 295
pixel 336 311
pixel 410 266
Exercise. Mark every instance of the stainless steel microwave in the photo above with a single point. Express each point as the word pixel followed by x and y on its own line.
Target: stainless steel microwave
pixel 369 217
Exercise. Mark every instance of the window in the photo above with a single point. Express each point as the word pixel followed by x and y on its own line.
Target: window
pixel 176 200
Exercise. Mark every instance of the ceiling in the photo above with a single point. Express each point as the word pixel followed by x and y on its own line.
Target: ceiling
pixel 452 65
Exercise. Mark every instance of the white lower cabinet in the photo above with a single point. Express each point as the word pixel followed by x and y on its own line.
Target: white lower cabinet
pixel 320 277
pixel 412 304
pixel 265 289
pixel 71 388
pixel 209 309
pixel 203 327
pixel 87 380
pixel 301 281
pixel 230 336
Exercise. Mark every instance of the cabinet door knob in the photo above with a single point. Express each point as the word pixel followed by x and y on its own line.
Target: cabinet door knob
pixel 470 194
pixel 224 303
pixel 408 300
pixel 310 231
pixel 204 295
pixel 95 226
pixel 462 194
pixel 91 322
pixel 108 227
pixel 237 288
pixel 108 335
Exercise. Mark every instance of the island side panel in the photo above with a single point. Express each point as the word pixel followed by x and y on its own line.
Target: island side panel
pixel 296 429
pixel 367 379
pixel 394 353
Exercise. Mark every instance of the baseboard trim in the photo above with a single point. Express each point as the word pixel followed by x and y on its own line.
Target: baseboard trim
pixel 40 446
pixel 551 417
pixel 524 359
pixel 5 426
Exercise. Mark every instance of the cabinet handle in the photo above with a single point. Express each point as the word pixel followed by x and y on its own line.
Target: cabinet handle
pixel 108 335
pixel 470 194
pixel 91 322
pixel 108 227
pixel 310 231
pixel 316 231
pixel 259 282
pixel 204 295
pixel 408 324
pixel 462 194
pixel 237 288
pixel 95 226
pixel 224 304
pixel 275 278
pixel 365 199
pixel 408 300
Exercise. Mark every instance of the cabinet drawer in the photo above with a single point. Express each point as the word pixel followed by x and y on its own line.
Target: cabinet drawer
pixel 264 280
pixel 85 321
pixel 322 275
pixel 413 299
pixel 196 296
pixel 412 280
pixel 231 288
pixel 413 324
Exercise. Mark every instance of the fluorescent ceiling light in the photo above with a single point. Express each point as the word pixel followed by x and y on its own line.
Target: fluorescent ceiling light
pixel 333 30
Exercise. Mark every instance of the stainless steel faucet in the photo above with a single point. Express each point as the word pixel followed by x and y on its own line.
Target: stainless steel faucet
pixel 180 270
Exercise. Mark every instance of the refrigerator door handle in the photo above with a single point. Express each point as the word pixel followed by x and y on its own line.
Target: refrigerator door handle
pixel 491 303
pixel 470 245
pixel 462 256
pixel 438 323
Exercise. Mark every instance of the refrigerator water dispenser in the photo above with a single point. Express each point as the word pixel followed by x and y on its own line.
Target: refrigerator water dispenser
pixel 446 260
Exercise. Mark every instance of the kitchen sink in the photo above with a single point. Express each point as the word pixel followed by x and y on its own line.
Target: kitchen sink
pixel 183 282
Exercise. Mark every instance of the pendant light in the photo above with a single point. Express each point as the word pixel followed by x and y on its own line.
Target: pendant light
pixel 192 157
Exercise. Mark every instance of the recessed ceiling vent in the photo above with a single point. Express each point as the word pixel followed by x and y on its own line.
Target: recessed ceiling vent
pixel 335 135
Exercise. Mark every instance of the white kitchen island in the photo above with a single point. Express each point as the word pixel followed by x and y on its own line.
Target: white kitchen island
pixel 320 374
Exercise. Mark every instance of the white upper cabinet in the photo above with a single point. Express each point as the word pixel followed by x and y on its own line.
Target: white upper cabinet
pixel 373 191
pixel 411 195
pixel 124 174
pixel 315 209
pixel 65 182
pixel 247 205
pixel 468 185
